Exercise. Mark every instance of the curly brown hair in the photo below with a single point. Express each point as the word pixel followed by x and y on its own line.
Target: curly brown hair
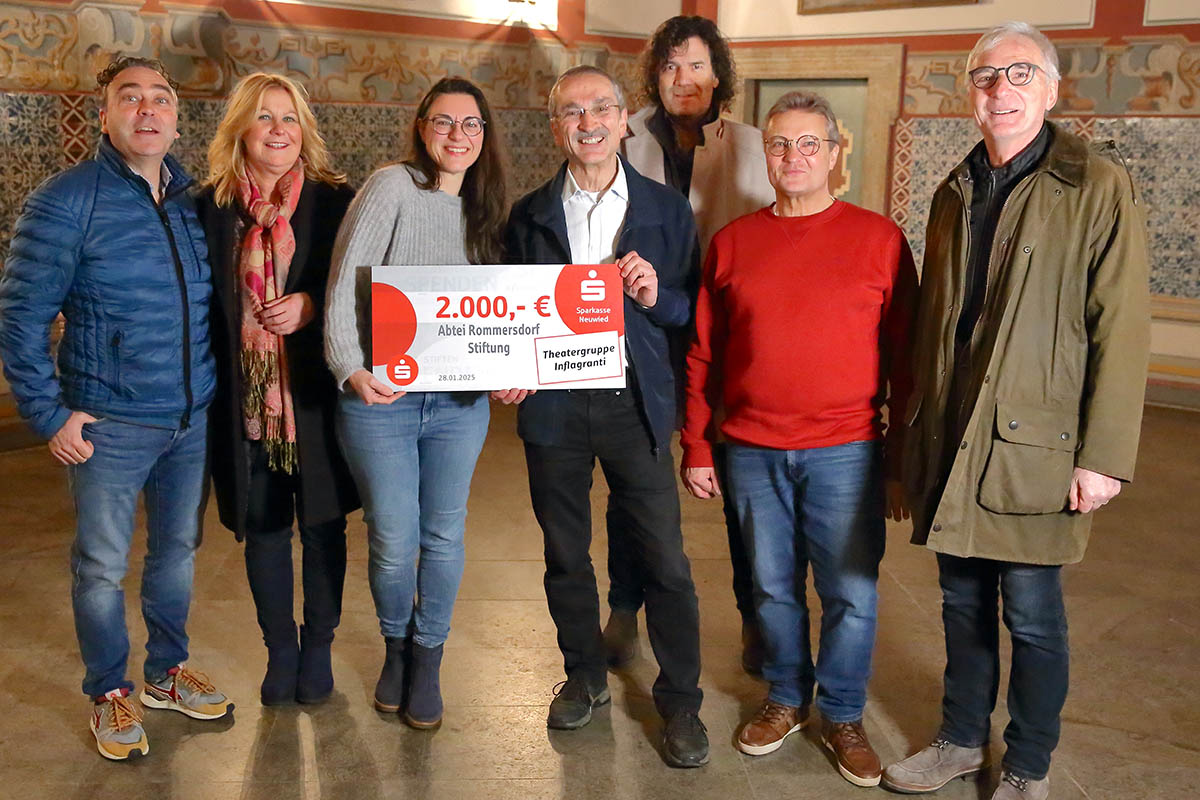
pixel 121 63
pixel 671 35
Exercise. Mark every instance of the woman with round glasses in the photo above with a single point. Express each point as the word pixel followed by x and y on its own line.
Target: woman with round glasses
pixel 271 210
pixel 413 454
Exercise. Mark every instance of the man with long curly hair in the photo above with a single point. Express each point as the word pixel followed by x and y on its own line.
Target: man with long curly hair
pixel 679 138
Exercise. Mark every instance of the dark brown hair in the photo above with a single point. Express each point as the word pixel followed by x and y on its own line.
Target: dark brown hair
pixel 121 63
pixel 484 191
pixel 671 35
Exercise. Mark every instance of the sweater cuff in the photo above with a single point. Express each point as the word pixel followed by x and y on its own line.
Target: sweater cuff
pixel 697 455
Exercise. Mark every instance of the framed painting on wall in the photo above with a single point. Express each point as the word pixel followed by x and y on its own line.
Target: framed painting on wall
pixel 837 6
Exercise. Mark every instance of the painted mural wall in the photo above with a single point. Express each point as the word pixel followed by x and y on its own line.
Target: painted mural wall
pixel 1142 90
pixel 1144 95
pixel 364 86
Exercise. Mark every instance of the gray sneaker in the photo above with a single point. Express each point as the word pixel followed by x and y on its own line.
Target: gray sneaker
pixel 932 768
pixel 117 727
pixel 187 692
pixel 1014 788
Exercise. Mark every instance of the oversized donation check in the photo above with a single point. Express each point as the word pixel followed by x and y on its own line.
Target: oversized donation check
pixel 530 326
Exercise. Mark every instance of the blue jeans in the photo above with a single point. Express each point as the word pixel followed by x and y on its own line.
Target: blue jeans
pixel 1037 685
pixel 170 467
pixel 413 461
pixel 822 506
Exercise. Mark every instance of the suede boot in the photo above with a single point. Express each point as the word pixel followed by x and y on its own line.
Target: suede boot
pixel 425 690
pixel 279 684
pixel 390 689
pixel 315 682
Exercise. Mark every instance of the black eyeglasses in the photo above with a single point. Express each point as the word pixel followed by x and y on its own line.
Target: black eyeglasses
pixel 471 126
pixel 805 145
pixel 1018 74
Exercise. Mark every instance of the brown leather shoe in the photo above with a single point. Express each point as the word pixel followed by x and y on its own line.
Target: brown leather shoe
pixel 856 758
pixel 771 724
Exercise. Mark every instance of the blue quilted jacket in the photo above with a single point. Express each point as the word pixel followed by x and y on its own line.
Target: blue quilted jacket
pixel 132 279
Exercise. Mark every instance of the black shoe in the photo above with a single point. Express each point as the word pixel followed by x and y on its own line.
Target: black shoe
pixel 389 690
pixel 279 684
pixel 424 707
pixel 573 702
pixel 685 740
pixel 315 683
pixel 621 638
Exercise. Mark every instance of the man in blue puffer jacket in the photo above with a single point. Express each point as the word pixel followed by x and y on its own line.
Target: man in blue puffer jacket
pixel 114 244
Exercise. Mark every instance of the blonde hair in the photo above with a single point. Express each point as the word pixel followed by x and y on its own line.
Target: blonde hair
pixel 227 154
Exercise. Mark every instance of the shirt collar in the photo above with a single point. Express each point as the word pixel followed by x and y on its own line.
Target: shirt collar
pixel 659 124
pixel 1019 165
pixel 619 187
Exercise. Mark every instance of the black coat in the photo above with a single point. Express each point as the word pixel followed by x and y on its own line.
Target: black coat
pixel 659 225
pixel 326 489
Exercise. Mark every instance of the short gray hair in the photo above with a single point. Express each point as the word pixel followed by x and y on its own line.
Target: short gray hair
pixel 807 101
pixel 1013 30
pixel 573 72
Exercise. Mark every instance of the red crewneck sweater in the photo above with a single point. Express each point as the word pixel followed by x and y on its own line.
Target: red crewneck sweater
pixel 801 325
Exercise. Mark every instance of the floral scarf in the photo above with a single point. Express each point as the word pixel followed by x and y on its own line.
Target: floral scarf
pixel 268 245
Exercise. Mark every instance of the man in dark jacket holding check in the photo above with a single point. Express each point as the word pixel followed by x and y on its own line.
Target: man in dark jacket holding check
pixel 598 209
pixel 115 246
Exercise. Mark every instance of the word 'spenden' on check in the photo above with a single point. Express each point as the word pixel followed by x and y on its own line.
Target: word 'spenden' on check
pixel 481 328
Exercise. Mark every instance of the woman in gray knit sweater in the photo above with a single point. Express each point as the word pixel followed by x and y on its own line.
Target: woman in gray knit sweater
pixel 412 454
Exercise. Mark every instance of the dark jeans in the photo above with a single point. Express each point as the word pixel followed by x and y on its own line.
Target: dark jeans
pixel 269 516
pixel 606 425
pixel 1037 687
pixel 626 590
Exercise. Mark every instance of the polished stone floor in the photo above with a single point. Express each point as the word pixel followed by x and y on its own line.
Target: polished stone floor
pixel 1130 729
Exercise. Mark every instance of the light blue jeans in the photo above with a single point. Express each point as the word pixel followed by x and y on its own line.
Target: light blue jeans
pixel 169 466
pixel 821 506
pixel 413 461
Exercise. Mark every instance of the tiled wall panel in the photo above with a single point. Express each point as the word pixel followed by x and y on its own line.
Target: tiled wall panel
pixel 41 134
pixel 1161 152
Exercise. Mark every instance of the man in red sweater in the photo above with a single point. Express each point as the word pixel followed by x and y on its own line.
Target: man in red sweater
pixel 802 326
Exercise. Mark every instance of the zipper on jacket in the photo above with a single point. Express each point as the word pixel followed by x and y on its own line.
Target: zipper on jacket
pixel 116 357
pixel 1004 247
pixel 187 326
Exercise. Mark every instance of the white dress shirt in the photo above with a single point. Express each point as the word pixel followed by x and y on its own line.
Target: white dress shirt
pixel 595 219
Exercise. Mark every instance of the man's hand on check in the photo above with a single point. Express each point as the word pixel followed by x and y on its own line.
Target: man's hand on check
pixel 511 396
pixel 639 278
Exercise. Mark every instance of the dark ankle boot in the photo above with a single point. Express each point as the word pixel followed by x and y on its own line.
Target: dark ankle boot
pixel 315 683
pixel 389 690
pixel 279 684
pixel 425 689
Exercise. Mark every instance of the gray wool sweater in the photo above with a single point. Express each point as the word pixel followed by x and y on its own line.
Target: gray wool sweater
pixel 390 222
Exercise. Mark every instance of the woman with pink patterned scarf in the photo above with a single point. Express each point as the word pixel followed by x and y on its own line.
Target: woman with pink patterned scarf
pixel 271 208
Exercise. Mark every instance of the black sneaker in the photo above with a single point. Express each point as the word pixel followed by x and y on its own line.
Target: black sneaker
pixel 573 702
pixel 685 740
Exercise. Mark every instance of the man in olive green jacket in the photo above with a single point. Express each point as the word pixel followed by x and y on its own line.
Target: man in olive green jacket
pixel 1030 370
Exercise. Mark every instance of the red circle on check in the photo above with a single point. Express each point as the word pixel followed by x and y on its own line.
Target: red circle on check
pixel 393 323
pixel 403 370
pixel 588 297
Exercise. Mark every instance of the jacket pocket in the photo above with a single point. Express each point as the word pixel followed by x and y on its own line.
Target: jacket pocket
pixel 114 355
pixel 1033 456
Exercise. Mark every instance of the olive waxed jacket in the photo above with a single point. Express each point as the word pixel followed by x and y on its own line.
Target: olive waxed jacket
pixel 1061 347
